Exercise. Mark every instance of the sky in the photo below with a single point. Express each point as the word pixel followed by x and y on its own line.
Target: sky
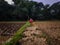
pixel 47 1
pixel 44 1
pixel 10 1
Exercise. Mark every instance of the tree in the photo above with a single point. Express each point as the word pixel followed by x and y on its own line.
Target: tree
pixel 5 10
pixel 55 10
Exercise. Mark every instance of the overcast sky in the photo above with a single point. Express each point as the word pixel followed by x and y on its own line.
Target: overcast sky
pixel 44 1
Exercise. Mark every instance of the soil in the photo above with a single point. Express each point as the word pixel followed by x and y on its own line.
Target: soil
pixel 8 29
pixel 41 33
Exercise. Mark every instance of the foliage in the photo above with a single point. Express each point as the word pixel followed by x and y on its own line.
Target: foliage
pixel 24 9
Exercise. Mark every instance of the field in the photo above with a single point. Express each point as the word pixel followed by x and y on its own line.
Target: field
pixel 43 33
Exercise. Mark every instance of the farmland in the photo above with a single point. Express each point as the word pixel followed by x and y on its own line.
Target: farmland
pixel 43 33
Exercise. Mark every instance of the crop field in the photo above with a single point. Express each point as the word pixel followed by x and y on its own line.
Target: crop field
pixel 41 33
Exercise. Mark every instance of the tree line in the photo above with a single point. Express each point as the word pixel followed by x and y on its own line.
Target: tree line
pixel 23 10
